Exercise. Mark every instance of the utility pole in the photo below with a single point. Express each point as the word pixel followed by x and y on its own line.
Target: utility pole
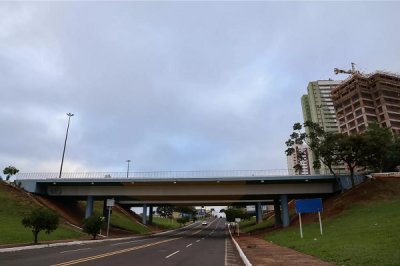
pixel 65 143
pixel 127 171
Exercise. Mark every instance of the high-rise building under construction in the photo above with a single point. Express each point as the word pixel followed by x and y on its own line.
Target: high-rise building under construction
pixel 366 98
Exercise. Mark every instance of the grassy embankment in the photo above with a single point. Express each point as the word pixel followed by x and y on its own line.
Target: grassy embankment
pixel 363 235
pixel 119 220
pixel 13 207
pixel 165 223
pixel 364 232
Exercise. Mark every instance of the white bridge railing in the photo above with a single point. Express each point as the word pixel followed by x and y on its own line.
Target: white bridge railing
pixel 160 174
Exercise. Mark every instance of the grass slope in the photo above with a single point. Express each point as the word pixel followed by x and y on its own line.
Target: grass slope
pixel 14 205
pixel 366 232
pixel 118 219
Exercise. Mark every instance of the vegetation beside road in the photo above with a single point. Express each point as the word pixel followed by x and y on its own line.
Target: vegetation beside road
pixel 13 208
pixel 118 219
pixel 250 226
pixel 365 233
pixel 166 223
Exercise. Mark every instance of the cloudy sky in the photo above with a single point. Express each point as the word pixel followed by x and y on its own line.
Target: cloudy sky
pixel 173 85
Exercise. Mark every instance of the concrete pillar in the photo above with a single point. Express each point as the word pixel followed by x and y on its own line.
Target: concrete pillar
pixel 89 207
pixel 144 215
pixel 259 213
pixel 277 212
pixel 105 209
pixel 151 214
pixel 285 211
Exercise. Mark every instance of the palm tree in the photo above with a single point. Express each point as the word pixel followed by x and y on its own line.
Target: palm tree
pixel 10 171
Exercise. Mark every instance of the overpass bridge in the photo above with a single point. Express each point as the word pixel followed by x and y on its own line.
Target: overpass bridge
pixel 148 189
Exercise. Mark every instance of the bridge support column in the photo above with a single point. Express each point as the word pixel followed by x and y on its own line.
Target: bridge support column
pixel 151 214
pixel 259 213
pixel 285 211
pixel 277 212
pixel 144 215
pixel 89 207
pixel 105 209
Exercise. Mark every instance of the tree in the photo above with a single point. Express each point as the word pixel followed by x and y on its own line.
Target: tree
pixel 323 145
pixel 10 171
pixel 233 212
pixel 183 220
pixel 351 151
pixel 92 225
pixel 165 211
pixel 377 150
pixel 41 219
pixel 392 162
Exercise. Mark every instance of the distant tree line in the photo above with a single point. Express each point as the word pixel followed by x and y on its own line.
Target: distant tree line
pixel 375 150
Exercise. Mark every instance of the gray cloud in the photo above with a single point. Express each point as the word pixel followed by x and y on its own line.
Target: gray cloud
pixel 173 85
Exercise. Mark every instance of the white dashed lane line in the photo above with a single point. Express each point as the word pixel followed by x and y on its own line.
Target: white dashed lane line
pixel 128 242
pixel 189 245
pixel 172 254
pixel 74 250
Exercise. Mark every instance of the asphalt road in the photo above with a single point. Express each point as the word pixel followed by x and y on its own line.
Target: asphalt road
pixel 193 245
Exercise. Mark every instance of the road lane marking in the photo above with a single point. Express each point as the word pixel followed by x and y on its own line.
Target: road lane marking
pixel 74 250
pixel 189 245
pixel 133 241
pixel 72 262
pixel 170 255
pixel 196 232
pixel 198 240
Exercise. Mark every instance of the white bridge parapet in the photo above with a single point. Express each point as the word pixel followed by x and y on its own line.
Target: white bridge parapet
pixel 159 174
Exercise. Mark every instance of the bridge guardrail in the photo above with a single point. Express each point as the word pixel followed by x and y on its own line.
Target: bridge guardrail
pixel 161 174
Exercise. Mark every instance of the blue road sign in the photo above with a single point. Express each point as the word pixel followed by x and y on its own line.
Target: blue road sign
pixel 308 205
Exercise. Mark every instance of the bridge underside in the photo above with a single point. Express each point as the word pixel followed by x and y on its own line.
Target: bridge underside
pixel 189 191
pixel 257 191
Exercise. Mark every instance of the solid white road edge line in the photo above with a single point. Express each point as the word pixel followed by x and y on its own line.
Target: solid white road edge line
pixel 172 254
pixel 241 253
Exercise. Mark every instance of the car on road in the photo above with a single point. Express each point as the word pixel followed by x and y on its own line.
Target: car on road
pixel 204 223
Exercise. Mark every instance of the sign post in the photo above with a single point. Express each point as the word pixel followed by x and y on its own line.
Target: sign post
pixel 309 206
pixel 110 204
pixel 237 220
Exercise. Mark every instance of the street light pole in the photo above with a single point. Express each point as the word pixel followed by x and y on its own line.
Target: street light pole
pixel 65 143
pixel 127 171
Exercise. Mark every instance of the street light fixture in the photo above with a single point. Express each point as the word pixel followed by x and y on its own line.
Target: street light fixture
pixel 127 171
pixel 65 143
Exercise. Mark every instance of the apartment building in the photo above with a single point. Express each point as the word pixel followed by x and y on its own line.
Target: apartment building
pixel 317 106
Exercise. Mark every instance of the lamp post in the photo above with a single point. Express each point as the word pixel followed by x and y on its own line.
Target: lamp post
pixel 65 143
pixel 127 171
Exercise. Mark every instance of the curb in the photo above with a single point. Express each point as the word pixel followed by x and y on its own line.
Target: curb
pixel 241 253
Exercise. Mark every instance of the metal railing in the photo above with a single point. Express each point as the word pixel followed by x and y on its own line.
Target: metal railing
pixel 160 174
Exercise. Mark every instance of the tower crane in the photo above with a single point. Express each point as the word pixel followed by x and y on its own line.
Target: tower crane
pixel 350 71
